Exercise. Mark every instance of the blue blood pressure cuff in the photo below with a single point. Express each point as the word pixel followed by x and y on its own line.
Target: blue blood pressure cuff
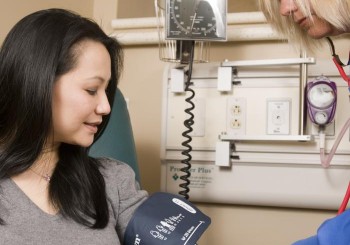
pixel 166 219
pixel 333 231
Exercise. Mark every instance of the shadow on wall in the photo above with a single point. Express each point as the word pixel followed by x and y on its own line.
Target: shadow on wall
pixel 145 8
pixel 150 175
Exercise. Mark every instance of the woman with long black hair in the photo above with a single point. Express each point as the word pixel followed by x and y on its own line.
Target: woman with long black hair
pixel 58 76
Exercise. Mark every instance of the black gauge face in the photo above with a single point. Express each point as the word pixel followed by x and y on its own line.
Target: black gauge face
pixel 196 19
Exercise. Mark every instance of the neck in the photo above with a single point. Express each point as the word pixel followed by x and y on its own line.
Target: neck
pixel 46 162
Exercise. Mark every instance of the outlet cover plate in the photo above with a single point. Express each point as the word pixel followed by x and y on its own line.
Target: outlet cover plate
pixel 278 116
pixel 236 116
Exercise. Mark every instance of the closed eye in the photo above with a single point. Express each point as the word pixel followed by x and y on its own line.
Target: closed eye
pixel 91 91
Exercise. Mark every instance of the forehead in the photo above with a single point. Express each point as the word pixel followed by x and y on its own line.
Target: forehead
pixel 92 54
pixel 87 46
pixel 91 62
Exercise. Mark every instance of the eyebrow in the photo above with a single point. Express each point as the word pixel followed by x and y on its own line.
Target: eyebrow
pixel 101 79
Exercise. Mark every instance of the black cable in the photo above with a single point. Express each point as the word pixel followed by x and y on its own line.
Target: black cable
pixel 331 45
pixel 188 124
pixel 335 56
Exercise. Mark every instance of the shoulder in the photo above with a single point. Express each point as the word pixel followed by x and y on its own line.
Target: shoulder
pixel 111 168
pixel 123 191
pixel 119 177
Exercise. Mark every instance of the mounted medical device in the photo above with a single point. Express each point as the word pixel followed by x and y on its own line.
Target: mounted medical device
pixel 183 25
pixel 321 98
pixel 185 28
pixel 321 102
pixel 196 20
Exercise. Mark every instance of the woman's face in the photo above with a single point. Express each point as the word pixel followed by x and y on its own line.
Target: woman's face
pixel 315 27
pixel 79 97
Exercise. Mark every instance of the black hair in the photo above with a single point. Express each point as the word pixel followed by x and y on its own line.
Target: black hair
pixel 37 51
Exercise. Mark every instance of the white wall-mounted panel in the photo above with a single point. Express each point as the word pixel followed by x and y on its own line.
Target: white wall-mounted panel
pixel 262 172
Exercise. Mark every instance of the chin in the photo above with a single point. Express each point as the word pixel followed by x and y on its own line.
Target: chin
pixel 318 34
pixel 82 143
pixel 319 31
pixel 86 144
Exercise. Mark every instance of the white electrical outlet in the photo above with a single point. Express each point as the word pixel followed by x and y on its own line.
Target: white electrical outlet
pixel 236 116
pixel 278 116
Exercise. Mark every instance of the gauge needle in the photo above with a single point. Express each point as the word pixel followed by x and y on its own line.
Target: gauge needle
pixel 195 14
pixel 194 18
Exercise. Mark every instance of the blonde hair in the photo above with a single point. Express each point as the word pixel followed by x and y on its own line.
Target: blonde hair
pixel 335 12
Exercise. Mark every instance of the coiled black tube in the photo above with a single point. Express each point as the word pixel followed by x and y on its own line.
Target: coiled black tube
pixel 188 124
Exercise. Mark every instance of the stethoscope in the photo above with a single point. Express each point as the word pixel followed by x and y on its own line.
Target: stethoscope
pixel 340 66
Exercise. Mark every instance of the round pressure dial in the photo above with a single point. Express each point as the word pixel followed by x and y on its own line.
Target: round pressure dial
pixel 321 117
pixel 196 19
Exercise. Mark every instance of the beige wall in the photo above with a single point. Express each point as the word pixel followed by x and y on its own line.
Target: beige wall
pixel 13 10
pixel 141 84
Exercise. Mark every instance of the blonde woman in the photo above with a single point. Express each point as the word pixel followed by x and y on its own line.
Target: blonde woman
pixel 307 23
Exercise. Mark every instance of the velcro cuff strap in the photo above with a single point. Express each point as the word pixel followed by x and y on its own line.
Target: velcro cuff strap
pixel 166 219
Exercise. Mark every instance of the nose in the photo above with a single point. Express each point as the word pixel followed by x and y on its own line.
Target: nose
pixel 287 7
pixel 103 107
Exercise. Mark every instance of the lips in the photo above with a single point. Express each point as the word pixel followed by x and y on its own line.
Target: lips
pixel 300 21
pixel 92 127
pixel 303 23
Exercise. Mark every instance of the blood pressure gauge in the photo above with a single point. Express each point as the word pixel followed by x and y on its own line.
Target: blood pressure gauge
pixel 196 19
pixel 321 101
